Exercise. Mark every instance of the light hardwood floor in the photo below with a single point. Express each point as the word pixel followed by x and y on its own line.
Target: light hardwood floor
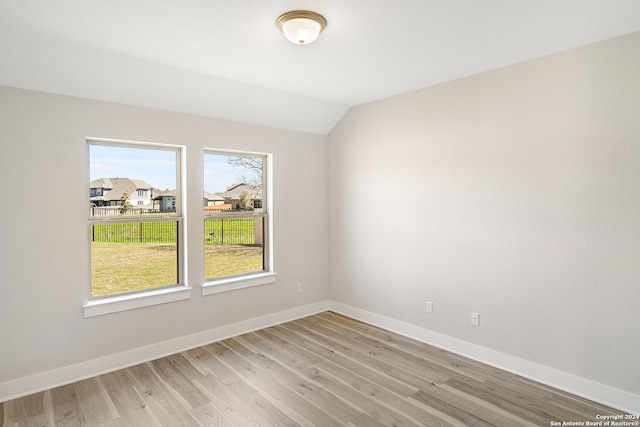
pixel 323 370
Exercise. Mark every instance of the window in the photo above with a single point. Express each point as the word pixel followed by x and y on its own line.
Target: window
pixel 236 219
pixel 133 247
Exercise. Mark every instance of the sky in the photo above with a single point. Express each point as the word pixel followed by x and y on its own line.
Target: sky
pixel 219 174
pixel 157 167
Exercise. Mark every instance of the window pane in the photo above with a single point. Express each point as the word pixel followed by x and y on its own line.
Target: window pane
pixel 131 185
pixel 234 214
pixel 233 246
pixel 128 181
pixel 133 256
pixel 233 183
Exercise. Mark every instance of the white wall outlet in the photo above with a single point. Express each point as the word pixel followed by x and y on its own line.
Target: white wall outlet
pixel 429 307
pixel 475 319
pixel 299 287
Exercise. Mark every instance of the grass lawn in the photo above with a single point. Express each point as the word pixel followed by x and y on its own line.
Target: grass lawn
pixel 126 267
pixel 227 260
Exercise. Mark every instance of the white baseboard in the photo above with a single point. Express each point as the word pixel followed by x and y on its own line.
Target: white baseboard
pixel 68 374
pixel 601 393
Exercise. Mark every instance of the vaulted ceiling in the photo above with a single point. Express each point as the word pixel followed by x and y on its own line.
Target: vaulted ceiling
pixel 227 58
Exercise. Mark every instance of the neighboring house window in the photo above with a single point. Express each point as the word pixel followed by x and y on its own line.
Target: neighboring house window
pixel 236 231
pixel 133 250
pixel 142 193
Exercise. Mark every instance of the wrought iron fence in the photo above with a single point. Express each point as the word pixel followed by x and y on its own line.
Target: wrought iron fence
pixel 230 231
pixel 136 232
pixel 217 231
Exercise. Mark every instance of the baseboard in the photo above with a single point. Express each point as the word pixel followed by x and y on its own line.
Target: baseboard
pixel 601 393
pixel 69 374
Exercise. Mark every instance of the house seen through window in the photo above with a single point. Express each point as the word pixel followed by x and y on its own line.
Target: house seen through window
pixel 135 224
pixel 235 214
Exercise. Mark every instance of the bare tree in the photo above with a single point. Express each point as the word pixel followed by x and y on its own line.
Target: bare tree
pixel 252 166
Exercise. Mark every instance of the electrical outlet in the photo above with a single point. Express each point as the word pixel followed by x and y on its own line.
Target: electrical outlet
pixel 475 319
pixel 429 307
pixel 299 287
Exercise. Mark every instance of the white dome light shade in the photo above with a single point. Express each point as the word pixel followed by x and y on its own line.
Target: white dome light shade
pixel 301 30
pixel 301 26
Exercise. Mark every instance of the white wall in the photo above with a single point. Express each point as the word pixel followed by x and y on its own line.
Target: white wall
pixel 514 194
pixel 44 253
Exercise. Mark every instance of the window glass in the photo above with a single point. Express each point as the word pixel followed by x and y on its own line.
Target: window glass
pixel 236 217
pixel 135 241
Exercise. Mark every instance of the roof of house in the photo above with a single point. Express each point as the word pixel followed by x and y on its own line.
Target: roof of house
pixel 166 193
pixel 101 183
pixel 235 190
pixel 116 187
pixel 141 184
pixel 212 197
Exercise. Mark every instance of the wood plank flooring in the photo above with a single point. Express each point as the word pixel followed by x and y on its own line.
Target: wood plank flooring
pixel 322 370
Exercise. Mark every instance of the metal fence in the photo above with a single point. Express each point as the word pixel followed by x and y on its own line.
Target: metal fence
pixel 136 232
pixel 217 231
pixel 230 231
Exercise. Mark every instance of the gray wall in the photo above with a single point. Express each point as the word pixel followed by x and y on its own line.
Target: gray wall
pixel 44 252
pixel 520 193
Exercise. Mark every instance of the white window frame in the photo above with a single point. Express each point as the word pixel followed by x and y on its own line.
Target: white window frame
pixel 96 306
pixel 268 275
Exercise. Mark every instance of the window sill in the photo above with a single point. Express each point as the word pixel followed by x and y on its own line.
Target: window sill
pixel 115 304
pixel 235 283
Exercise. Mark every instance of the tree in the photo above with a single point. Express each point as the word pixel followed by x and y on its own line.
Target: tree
pixel 253 166
pixel 125 204
pixel 245 200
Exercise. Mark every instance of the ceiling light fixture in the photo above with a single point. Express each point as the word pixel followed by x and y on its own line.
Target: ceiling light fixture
pixel 301 26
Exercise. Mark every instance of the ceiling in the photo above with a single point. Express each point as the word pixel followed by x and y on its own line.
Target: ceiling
pixel 227 58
